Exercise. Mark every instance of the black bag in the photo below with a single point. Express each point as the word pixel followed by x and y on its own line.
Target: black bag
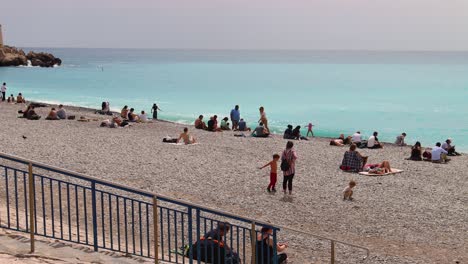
pixel 284 165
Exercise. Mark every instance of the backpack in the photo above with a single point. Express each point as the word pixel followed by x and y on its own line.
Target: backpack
pixel 285 166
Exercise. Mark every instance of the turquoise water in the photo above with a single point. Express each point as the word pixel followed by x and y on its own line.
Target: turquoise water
pixel 421 93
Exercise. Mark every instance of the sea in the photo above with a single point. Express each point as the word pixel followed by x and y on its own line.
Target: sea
pixel 422 93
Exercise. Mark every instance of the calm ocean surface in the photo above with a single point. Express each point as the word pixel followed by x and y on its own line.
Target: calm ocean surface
pixel 421 93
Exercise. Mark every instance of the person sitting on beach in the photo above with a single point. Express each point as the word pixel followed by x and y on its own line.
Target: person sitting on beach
pixel 288 133
pixel 188 139
pixel 296 133
pixel 400 140
pixel 225 124
pixel 356 138
pixel 199 124
pixel 61 112
pixel 20 99
pixel 52 115
pixel 373 142
pixel 242 126
pixel 353 161
pixel 427 154
pixel 260 131
pixel 31 114
pixel 438 154
pixel 263 119
pixel 143 117
pixel 132 117
pixel 213 124
pixel 124 112
pixel 348 191
pixel 447 146
pixel 381 168
pixel 11 99
pixel 265 245
pixel 416 152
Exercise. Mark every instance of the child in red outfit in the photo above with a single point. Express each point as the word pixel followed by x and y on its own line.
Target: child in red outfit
pixel 273 172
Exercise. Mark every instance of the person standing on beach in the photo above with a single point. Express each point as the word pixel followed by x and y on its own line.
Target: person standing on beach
pixel 288 166
pixel 3 90
pixel 263 119
pixel 154 110
pixel 273 172
pixel 309 130
pixel 235 117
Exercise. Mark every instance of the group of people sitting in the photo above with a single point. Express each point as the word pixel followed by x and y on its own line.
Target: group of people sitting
pixel 130 115
pixel 437 154
pixel 372 143
pixel 295 133
pixel 212 124
pixel 59 114
pixel 19 99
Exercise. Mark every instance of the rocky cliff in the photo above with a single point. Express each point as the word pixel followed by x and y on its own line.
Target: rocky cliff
pixel 11 56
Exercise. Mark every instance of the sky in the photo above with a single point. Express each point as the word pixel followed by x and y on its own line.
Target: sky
pixel 238 24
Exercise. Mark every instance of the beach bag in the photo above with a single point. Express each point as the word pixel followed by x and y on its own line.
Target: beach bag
pixel 284 165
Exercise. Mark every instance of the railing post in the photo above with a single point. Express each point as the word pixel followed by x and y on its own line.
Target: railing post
pixel 155 226
pixel 332 252
pixel 190 236
pixel 31 206
pixel 95 231
pixel 253 240
pixel 198 235
pixel 275 253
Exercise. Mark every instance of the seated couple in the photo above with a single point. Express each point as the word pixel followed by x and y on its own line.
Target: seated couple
pixel 295 133
pixel 340 141
pixel 57 114
pixel 353 161
pixel 261 131
pixel 19 99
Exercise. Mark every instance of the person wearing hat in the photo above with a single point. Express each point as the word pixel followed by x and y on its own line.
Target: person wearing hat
pixel 288 133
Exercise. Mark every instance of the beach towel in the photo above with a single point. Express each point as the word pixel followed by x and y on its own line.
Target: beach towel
pixel 394 171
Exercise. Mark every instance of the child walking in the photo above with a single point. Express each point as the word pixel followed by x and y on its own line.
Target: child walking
pixel 348 191
pixel 273 172
pixel 309 130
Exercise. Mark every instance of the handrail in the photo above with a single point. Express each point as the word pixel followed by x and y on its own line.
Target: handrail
pixel 148 194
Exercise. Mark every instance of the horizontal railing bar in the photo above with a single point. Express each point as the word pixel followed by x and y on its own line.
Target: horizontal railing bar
pixel 129 189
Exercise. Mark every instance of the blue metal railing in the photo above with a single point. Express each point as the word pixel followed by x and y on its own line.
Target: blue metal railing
pixel 76 208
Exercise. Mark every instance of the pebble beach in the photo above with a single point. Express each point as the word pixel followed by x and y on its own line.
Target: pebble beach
pixel 418 216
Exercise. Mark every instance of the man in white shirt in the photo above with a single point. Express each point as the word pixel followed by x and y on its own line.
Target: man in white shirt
pixel 439 155
pixel 3 90
pixel 373 142
pixel 143 117
pixel 357 137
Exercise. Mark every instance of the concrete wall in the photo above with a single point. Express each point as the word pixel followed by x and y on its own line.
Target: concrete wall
pixel 1 37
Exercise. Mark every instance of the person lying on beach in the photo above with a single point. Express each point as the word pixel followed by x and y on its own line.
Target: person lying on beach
pixel 124 112
pixel 348 191
pixel 273 172
pixel 353 161
pixel 447 146
pixel 117 122
pixel 381 168
pixel 340 141
pixel 438 154
pixel 400 140
pixel 242 125
pixel 11 99
pixel 296 133
pixel 186 137
pixel 52 115
pixel 31 114
pixel 143 117
pixel 265 245
pixel 373 142
pixel 20 99
pixel 132 117
pixel 288 133
pixel 416 152
pixel 199 124
pixel 260 131
pixel 225 124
